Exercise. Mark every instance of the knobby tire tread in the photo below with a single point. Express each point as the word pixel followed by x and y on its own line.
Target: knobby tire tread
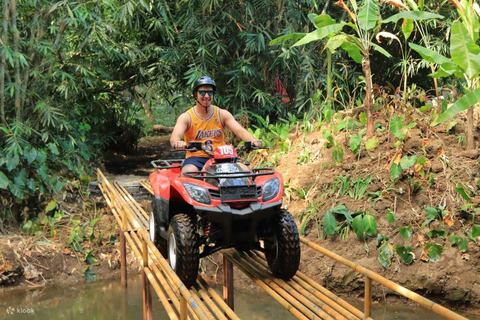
pixel 285 264
pixel 187 249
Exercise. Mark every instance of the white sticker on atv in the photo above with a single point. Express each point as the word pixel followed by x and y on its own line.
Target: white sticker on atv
pixel 226 150
pixel 227 167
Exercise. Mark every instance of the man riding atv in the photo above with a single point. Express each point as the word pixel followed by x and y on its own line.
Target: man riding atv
pixel 211 200
pixel 205 123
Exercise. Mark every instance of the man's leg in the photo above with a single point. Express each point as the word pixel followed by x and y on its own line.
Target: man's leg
pixel 189 168
pixel 243 166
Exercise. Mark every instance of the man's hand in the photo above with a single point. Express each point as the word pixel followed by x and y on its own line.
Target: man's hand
pixel 257 143
pixel 179 145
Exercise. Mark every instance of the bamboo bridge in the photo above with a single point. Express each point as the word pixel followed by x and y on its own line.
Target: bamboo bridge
pixel 301 296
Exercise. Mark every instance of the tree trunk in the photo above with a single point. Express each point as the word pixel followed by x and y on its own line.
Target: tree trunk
pixel 329 78
pixel 470 137
pixel 34 40
pixel 368 95
pixel 145 105
pixel 18 79
pixel 3 60
pixel 162 129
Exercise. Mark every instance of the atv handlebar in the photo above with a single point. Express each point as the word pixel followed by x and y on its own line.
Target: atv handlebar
pixel 198 146
pixel 248 146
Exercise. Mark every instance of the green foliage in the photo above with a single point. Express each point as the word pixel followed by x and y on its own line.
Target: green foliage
pixel 306 216
pixel 405 163
pixel 390 216
pixel 304 156
pixel 433 213
pixel 30 163
pixel 343 183
pixel 397 128
pixel 89 258
pixel 405 253
pixel 356 189
pixel 360 187
pixel 43 224
pixel 337 152
pixel 362 223
pixel 89 274
pixel 434 251
pixel 461 190
pixel 355 142
pixel 385 250
pixel 406 232
pixel 272 134
pixel 436 233
pixel 461 242
pixel 371 143
pixel 474 233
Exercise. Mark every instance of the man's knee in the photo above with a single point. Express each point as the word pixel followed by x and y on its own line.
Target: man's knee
pixel 189 168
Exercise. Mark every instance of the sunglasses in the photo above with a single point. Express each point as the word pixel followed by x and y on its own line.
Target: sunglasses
pixel 203 92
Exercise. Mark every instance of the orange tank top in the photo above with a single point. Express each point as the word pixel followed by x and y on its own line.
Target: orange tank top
pixel 209 131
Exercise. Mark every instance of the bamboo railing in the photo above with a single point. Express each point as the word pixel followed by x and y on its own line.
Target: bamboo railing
pixel 370 275
pixel 200 302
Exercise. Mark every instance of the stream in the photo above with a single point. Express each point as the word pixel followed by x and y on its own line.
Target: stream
pixel 108 300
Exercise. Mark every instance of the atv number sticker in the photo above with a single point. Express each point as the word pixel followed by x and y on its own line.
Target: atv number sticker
pixel 226 150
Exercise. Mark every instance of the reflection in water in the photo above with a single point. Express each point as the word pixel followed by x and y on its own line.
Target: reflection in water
pixel 109 300
pixel 99 300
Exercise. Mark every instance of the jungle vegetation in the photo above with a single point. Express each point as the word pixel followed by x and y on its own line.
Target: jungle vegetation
pixel 81 77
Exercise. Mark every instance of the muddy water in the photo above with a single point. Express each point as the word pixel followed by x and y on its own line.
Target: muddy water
pixel 109 300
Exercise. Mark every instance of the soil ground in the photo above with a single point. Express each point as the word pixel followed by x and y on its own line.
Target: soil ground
pixel 311 188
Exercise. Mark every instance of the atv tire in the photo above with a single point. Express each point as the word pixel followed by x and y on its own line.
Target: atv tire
pixel 155 236
pixel 183 253
pixel 283 256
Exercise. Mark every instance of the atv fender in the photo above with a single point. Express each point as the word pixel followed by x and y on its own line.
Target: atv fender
pixel 160 182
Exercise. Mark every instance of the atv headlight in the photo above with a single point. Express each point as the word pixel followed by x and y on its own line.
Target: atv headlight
pixel 197 193
pixel 270 189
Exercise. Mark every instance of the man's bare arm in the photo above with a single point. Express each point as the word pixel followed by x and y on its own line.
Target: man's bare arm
pixel 176 139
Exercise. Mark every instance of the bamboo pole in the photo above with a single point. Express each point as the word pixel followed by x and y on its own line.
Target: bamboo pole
pixel 16 63
pixel 317 297
pixel 228 283
pixel 3 61
pixel 133 240
pixel 368 297
pixel 195 303
pixel 424 302
pixel 228 311
pixel 286 304
pixel 172 314
pixel 209 302
pixel 183 308
pixel 300 302
pixel 147 294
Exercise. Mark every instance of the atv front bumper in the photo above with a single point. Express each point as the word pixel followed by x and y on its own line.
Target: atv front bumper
pixel 239 227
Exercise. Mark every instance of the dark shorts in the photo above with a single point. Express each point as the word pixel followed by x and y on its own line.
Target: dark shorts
pixel 198 162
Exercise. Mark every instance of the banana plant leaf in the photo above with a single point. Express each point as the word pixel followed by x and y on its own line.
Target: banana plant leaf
pixel 460 105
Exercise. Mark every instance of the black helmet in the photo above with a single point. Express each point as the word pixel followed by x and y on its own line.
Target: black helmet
pixel 203 80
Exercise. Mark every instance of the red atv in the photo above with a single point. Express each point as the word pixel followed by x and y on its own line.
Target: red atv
pixel 220 207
